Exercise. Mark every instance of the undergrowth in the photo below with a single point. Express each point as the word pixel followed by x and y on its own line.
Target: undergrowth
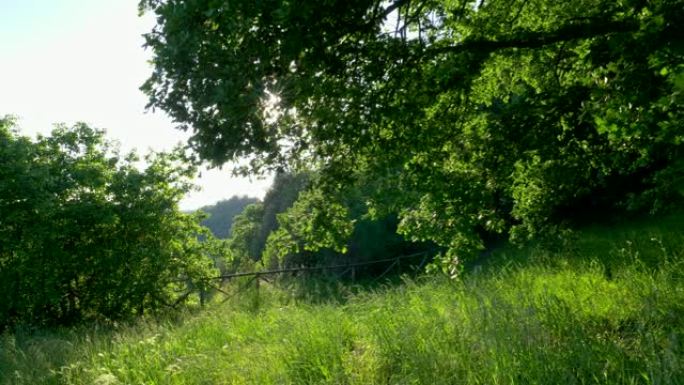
pixel 605 308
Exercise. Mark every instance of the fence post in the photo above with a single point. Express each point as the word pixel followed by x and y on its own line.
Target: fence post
pixel 256 291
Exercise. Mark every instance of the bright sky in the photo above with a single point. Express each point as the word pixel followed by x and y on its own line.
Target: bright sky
pixel 82 60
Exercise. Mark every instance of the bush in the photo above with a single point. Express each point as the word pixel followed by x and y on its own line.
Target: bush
pixel 85 234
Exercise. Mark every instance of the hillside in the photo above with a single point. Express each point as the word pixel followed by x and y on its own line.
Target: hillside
pixel 604 307
pixel 221 214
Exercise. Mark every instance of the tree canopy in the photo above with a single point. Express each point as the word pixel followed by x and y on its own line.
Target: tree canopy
pixel 464 117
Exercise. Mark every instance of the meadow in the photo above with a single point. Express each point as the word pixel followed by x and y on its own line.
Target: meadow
pixel 604 306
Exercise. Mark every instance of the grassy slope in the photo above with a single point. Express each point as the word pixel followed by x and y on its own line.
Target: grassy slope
pixel 608 309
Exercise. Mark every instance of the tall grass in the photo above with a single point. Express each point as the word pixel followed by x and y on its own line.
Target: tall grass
pixel 608 308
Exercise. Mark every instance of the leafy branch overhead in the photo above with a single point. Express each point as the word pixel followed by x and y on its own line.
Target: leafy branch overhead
pixel 466 118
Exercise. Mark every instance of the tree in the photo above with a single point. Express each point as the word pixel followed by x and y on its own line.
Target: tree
pixel 315 230
pixel 221 214
pixel 244 237
pixel 296 225
pixel 466 117
pixel 85 234
pixel 311 224
pixel 257 221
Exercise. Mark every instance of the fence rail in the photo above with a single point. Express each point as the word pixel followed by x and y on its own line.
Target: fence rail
pixel 329 267
pixel 257 275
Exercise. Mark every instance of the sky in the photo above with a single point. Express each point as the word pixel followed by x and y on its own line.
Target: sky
pixel 65 61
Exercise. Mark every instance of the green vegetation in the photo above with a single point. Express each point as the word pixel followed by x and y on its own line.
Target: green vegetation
pixel 605 308
pixel 221 214
pixel 257 221
pixel 275 233
pixel 85 234
pixel 466 119
pixel 391 126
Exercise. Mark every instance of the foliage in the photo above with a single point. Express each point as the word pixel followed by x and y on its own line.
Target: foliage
pixel 322 229
pixel 280 197
pixel 244 236
pixel 547 318
pixel 253 225
pixel 303 229
pixel 297 225
pixel 86 234
pixel 466 117
pixel 221 214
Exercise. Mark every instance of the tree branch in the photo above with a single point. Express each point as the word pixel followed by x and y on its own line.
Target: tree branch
pixel 517 15
pixel 391 8
pixel 537 39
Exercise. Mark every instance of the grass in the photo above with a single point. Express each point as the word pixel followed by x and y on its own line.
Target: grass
pixel 606 308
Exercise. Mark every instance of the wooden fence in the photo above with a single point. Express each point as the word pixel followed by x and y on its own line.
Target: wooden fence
pixel 350 268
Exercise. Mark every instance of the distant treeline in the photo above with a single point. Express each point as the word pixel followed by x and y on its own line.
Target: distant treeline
pixel 221 214
pixel 270 233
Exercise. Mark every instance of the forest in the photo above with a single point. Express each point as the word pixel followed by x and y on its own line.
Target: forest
pixel 533 150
